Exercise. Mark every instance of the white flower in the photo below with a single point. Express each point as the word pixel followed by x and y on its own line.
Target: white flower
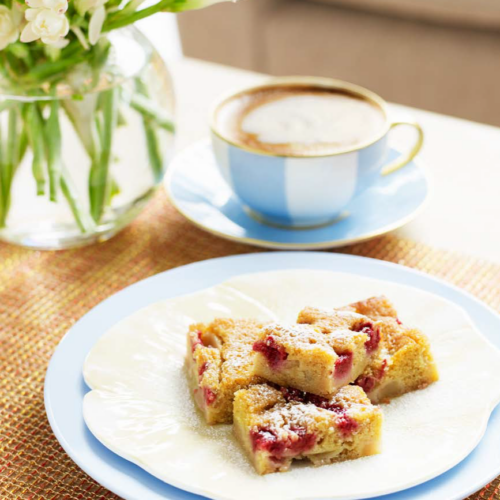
pixel 9 25
pixel 60 44
pixel 44 23
pixel 97 17
pixel 59 6
pixel 95 24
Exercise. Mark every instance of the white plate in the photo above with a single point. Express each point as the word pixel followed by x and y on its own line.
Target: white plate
pixel 65 389
pixel 141 408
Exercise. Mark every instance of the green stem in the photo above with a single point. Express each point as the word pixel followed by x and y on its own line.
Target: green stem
pixel 121 121
pixel 53 141
pixel 53 69
pixel 94 166
pixel 23 146
pixel 130 7
pixel 10 162
pixel 13 152
pixel 146 107
pixel 86 127
pixel 2 166
pixel 99 174
pixel 68 190
pixel 34 127
pixel 154 152
pixel 119 20
pixel 13 141
pixel 81 115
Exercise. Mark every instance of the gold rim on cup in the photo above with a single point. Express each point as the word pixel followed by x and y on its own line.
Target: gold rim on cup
pixel 328 83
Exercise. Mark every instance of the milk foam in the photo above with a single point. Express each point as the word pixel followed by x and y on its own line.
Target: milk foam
pixel 309 119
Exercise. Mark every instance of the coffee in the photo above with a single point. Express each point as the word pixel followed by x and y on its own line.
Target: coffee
pixel 299 120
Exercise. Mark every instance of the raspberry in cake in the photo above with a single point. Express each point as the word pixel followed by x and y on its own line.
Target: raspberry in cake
pixel 325 353
pixel 277 425
pixel 219 362
pixel 404 362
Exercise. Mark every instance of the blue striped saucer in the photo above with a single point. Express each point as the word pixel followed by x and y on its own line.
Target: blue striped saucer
pixel 198 192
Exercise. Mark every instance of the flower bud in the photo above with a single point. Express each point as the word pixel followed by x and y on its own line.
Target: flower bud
pixel 9 25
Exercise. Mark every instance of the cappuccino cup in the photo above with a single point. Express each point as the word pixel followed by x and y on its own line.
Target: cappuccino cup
pixel 297 150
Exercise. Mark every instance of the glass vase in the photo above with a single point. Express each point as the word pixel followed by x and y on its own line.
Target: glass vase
pixel 79 158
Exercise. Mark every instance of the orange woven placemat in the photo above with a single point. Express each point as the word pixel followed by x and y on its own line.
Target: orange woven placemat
pixel 43 293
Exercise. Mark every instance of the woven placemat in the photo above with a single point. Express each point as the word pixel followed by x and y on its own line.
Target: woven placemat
pixel 43 293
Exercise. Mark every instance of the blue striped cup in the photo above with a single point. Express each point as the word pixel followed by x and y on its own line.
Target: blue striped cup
pixel 309 190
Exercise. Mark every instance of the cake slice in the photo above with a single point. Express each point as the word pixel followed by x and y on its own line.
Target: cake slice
pixel 219 362
pixel 328 352
pixel 276 426
pixel 404 362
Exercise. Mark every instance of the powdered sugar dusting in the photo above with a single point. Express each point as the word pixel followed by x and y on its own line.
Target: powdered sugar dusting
pixel 140 406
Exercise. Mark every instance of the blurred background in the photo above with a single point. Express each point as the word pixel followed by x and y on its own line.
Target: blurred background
pixel 439 55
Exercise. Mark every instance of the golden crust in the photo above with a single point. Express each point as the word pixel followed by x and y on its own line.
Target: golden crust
pixel 330 320
pixel 404 362
pixel 219 362
pixel 343 427
pixel 374 307
pixel 323 352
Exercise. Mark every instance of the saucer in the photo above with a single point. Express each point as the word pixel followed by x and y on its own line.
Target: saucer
pixel 197 191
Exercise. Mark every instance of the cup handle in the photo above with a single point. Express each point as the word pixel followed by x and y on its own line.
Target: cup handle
pixel 405 158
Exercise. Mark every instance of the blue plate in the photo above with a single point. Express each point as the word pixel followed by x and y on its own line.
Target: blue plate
pixel 198 191
pixel 65 388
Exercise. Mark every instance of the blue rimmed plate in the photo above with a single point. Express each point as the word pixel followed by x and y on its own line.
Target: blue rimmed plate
pixel 197 190
pixel 65 388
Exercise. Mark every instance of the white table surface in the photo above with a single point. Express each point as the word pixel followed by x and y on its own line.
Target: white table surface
pixel 462 159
